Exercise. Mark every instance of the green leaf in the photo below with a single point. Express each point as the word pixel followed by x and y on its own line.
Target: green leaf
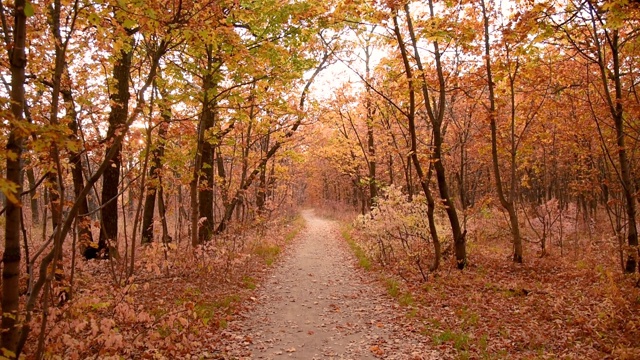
pixel 28 9
pixel 94 19
pixel 129 24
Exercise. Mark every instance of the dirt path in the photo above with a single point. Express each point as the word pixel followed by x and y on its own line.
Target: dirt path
pixel 317 305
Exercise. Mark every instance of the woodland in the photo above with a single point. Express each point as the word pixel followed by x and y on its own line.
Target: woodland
pixel 480 157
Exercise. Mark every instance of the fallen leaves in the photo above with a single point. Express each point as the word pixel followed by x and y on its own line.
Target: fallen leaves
pixel 177 307
pixel 377 351
pixel 551 307
pixel 335 317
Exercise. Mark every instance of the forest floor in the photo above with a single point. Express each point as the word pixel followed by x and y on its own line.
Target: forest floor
pixel 317 304
pixel 292 288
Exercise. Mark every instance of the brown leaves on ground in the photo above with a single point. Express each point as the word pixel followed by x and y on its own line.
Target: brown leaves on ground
pixel 547 308
pixel 576 306
pixel 175 308
pixel 376 350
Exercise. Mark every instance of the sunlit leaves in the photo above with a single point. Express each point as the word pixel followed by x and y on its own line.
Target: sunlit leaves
pixel 10 189
pixel 128 24
pixel 28 9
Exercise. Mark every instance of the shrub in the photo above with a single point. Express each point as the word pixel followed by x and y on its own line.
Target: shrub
pixel 396 232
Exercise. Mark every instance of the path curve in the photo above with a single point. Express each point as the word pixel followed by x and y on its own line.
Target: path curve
pixel 317 305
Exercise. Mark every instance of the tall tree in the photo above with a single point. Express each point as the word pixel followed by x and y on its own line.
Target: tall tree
pixel 11 318
pixel 154 184
pixel 117 121
pixel 435 108
pixel 207 123
pixel 506 199
pixel 371 146
pixel 413 152
pixel 83 221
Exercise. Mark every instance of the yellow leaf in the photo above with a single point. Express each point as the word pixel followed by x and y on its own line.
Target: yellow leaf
pixel 7 354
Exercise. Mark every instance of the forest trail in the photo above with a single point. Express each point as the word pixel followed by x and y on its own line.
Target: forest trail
pixel 318 305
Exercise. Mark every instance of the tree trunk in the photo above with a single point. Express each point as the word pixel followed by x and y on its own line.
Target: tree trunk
pixel 628 186
pixel 424 180
pixel 83 222
pixel 148 211
pixel 371 149
pixel 207 121
pixel 436 114
pixel 261 197
pixel 153 184
pixel 193 188
pixel 163 213
pixel 35 212
pixel 11 321
pixel 111 177
pixel 57 194
pixel 507 203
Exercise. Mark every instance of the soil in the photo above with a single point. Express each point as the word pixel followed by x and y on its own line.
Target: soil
pixel 318 304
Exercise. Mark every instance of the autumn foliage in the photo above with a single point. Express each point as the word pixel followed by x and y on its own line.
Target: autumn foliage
pixel 173 140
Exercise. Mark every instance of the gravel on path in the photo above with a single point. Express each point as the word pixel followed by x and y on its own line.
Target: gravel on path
pixel 317 304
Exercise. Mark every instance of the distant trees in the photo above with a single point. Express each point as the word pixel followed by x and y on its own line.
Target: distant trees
pixel 522 104
pixel 600 33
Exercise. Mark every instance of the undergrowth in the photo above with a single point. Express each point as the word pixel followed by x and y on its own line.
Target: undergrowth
pixel 177 304
pixel 572 302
